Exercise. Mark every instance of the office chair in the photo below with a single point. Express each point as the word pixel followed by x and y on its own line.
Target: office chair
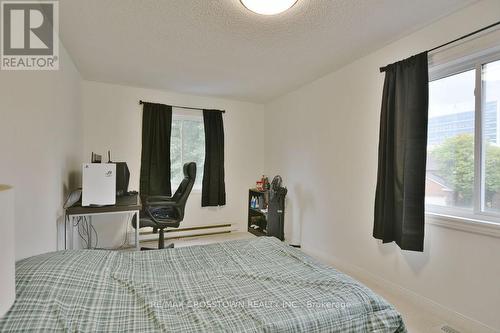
pixel 161 212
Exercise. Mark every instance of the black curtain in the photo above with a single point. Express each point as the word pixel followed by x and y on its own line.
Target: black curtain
pixel 155 156
pixel 399 202
pixel 213 192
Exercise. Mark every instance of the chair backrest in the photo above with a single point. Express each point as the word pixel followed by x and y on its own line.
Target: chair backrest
pixel 182 193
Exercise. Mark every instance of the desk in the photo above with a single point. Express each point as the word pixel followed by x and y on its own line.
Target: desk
pixel 126 204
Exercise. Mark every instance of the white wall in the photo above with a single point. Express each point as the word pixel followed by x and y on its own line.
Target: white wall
pixel 112 121
pixel 323 139
pixel 40 147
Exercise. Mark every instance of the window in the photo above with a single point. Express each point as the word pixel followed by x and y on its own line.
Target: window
pixel 187 145
pixel 491 136
pixel 450 141
pixel 463 151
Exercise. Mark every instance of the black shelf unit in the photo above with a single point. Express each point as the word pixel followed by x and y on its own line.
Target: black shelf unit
pixel 255 215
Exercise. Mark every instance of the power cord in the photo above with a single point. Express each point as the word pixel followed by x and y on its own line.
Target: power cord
pixel 86 229
pixel 77 224
pixel 125 241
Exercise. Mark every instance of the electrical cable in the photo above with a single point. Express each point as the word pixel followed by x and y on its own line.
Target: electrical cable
pixel 85 228
pixel 96 236
pixel 125 241
pixel 85 231
pixel 79 219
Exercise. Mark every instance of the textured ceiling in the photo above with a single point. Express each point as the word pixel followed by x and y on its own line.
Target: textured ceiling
pixel 219 48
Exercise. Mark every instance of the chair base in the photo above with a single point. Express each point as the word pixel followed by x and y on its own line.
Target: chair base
pixel 161 240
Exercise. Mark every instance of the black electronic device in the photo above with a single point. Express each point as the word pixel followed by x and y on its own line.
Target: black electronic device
pixel 122 177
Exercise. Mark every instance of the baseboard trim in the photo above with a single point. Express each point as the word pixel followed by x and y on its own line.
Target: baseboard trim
pixel 186 232
pixel 187 236
pixel 451 316
pixel 176 230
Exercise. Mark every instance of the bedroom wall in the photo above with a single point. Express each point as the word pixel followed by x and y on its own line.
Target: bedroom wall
pixel 112 121
pixel 40 146
pixel 323 139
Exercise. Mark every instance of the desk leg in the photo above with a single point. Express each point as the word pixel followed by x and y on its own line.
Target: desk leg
pixel 71 232
pixel 137 226
pixel 66 218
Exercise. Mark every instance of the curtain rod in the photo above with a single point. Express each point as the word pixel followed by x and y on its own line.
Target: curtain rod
pixel 183 107
pixel 382 69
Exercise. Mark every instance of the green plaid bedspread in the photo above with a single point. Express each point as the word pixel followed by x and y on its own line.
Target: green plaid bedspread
pixel 258 285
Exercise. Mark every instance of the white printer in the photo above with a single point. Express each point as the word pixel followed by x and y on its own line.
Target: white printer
pixel 98 184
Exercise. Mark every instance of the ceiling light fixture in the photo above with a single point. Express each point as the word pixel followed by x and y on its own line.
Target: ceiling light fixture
pixel 268 7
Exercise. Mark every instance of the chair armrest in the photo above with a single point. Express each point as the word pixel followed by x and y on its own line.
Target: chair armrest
pixel 159 204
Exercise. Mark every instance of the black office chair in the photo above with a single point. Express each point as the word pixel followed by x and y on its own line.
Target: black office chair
pixel 161 212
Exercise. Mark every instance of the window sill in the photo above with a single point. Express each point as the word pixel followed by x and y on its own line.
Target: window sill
pixel 463 224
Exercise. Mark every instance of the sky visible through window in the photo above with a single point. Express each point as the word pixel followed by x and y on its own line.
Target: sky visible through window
pixel 452 94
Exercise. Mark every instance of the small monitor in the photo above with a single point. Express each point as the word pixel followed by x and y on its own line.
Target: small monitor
pixel 122 178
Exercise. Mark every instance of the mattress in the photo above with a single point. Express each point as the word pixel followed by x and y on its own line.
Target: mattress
pixel 258 285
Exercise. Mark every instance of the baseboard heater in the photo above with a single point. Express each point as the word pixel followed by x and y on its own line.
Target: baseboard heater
pixel 195 231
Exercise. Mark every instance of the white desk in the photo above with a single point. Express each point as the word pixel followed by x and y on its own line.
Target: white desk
pixel 124 205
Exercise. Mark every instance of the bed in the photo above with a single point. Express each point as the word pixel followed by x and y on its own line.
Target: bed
pixel 257 285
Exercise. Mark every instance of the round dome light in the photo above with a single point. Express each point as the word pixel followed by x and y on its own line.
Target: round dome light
pixel 268 7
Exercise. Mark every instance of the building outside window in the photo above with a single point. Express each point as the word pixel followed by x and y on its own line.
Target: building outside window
pixel 463 160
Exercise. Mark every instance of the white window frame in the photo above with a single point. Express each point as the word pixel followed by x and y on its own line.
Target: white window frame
pixel 181 115
pixel 476 220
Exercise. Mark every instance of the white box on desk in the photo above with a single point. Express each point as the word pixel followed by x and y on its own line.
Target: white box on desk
pixel 98 184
